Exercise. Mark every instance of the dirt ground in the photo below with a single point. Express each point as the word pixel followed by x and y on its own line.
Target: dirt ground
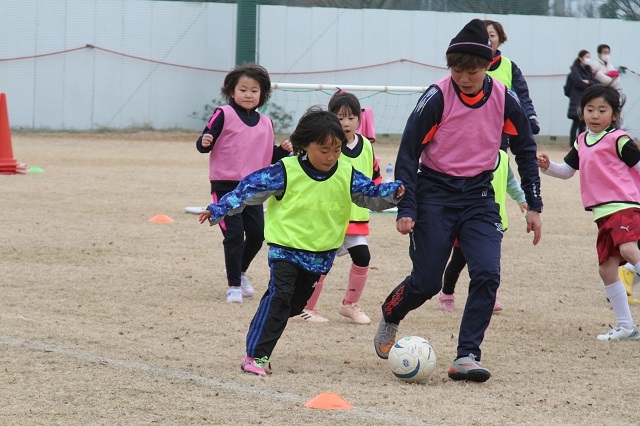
pixel 108 319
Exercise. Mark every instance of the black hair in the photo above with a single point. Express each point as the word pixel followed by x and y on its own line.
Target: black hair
pixel 602 47
pixel 576 62
pixel 316 126
pixel 341 100
pixel 610 96
pixel 466 61
pixel 253 71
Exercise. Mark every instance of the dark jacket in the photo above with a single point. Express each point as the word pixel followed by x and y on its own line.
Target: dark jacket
pixel 456 191
pixel 577 86
pixel 518 84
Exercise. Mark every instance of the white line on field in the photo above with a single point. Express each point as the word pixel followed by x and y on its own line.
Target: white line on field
pixel 207 381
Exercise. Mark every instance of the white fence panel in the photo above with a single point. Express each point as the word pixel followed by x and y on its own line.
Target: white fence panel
pixel 155 63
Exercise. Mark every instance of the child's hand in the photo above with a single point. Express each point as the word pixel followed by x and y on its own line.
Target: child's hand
pixel 287 145
pixel 400 191
pixel 523 207
pixel 207 140
pixel 205 215
pixel 543 161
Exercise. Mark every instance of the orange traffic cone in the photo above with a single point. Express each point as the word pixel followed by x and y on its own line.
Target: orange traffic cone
pixel 328 401
pixel 161 218
pixel 8 165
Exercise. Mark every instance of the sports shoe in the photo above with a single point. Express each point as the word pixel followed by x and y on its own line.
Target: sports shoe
pixel 618 333
pixel 354 312
pixel 626 276
pixel 447 302
pixel 234 295
pixel 497 306
pixel 245 286
pixel 310 315
pixel 467 368
pixel 385 338
pixel 259 366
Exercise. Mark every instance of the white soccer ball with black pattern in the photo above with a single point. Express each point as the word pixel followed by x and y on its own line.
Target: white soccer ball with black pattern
pixel 412 359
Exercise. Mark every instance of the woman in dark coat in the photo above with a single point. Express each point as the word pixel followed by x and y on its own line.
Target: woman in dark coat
pixel 579 79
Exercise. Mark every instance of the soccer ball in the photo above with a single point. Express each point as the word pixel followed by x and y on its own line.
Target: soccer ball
pixel 412 359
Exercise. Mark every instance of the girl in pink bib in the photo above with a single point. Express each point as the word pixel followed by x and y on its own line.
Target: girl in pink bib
pixel 611 160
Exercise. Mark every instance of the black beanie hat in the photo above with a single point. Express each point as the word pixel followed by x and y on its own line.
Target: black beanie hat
pixel 473 39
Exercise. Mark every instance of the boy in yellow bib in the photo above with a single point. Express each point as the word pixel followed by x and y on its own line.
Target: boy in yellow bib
pixel 310 198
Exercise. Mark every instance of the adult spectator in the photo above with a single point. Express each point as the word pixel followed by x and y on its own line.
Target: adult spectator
pixel 580 77
pixel 603 70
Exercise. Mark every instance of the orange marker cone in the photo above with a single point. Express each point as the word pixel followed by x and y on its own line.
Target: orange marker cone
pixel 8 165
pixel 161 218
pixel 328 401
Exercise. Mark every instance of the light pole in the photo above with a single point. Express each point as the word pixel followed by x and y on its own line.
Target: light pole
pixel 246 24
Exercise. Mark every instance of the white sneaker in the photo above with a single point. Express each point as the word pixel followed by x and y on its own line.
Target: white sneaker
pixel 245 286
pixel 355 313
pixel 234 295
pixel 618 333
pixel 310 315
